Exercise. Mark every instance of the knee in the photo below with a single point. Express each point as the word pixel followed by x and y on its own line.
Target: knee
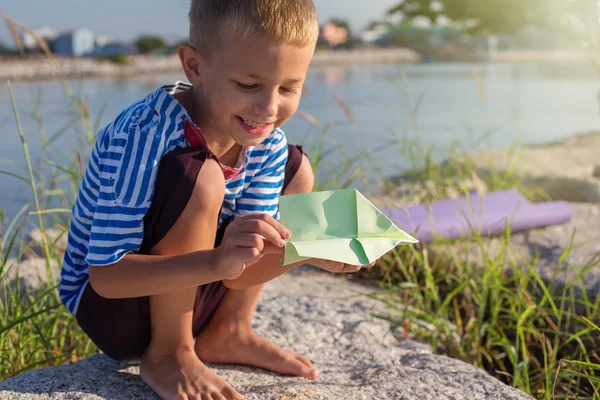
pixel 303 181
pixel 209 188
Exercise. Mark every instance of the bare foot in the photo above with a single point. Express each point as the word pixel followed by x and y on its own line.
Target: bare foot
pixel 183 376
pixel 241 345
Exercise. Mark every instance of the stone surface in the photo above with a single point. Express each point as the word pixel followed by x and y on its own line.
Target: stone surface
pixel 565 170
pixel 57 241
pixel 32 272
pixel 328 319
pixel 581 234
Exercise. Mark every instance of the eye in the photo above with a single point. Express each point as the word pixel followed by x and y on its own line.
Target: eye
pixel 246 87
pixel 288 90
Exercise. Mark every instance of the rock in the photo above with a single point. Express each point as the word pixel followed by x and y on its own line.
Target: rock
pixel 57 240
pixel 565 170
pixel 549 245
pixel 33 274
pixel 575 189
pixel 326 318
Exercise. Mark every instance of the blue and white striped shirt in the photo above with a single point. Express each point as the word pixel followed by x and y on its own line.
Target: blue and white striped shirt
pixel 118 186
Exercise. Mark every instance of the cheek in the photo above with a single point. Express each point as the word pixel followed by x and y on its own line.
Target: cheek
pixel 288 108
pixel 226 105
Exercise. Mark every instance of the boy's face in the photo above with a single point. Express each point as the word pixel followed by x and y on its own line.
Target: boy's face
pixel 249 89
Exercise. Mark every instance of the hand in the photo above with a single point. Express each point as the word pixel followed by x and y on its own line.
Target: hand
pixel 337 267
pixel 246 240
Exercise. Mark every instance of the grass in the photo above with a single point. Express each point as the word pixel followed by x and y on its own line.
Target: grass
pixel 496 313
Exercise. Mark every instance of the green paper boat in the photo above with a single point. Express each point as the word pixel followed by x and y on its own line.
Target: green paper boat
pixel 339 225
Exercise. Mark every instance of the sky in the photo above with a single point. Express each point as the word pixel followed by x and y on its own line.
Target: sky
pixel 126 19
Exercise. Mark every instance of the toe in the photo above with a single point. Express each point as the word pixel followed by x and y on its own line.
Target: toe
pixel 231 394
pixel 297 367
pixel 304 360
pixel 313 374
pixel 309 370
pixel 218 396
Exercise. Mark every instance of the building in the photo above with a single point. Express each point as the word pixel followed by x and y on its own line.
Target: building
pixel 111 49
pixel 78 42
pixel 103 40
pixel 29 38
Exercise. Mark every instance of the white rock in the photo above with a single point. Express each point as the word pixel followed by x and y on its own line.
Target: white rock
pixel 33 274
pixel 325 318
pixel 565 170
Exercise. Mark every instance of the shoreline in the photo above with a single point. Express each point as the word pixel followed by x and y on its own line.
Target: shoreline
pixel 564 170
pixel 43 69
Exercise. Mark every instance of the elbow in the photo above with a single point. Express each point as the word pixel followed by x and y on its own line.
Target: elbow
pixel 98 282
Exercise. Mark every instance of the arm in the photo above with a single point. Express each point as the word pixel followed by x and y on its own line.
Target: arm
pixel 268 268
pixel 245 242
pixel 137 275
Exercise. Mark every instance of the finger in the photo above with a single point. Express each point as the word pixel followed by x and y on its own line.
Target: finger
pixel 351 268
pixel 334 266
pixel 270 248
pixel 283 231
pixel 250 240
pixel 264 229
pixel 247 254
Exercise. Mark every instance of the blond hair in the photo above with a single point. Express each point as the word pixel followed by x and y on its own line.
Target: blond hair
pixel 212 22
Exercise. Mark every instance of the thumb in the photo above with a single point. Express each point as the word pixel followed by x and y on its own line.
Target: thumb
pixel 270 248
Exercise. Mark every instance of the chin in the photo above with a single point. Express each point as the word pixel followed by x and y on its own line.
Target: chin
pixel 254 141
pixel 246 139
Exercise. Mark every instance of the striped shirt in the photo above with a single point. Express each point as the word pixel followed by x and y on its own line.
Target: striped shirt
pixel 118 185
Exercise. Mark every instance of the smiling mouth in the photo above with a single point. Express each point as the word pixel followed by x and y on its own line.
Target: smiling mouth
pixel 256 124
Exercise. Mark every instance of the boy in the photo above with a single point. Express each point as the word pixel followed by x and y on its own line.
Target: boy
pixel 174 230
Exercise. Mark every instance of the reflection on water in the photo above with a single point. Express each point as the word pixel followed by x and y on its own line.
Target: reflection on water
pixel 431 103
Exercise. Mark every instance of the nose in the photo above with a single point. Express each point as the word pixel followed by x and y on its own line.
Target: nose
pixel 267 104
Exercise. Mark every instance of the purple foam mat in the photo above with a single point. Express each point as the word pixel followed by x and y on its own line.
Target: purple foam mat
pixel 488 215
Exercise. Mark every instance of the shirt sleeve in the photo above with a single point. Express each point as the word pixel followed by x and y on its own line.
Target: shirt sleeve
pixel 127 173
pixel 262 194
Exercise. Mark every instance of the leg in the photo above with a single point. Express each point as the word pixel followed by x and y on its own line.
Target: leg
pixel 229 338
pixel 169 365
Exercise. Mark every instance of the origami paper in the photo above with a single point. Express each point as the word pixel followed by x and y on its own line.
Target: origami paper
pixel 340 225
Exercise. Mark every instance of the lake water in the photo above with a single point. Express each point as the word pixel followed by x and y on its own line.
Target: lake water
pixel 439 104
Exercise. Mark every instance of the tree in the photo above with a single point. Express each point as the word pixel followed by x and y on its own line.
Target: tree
pixel 496 16
pixel 341 23
pixel 430 9
pixel 149 44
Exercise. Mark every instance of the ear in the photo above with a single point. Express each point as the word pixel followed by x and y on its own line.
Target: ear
pixel 190 61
